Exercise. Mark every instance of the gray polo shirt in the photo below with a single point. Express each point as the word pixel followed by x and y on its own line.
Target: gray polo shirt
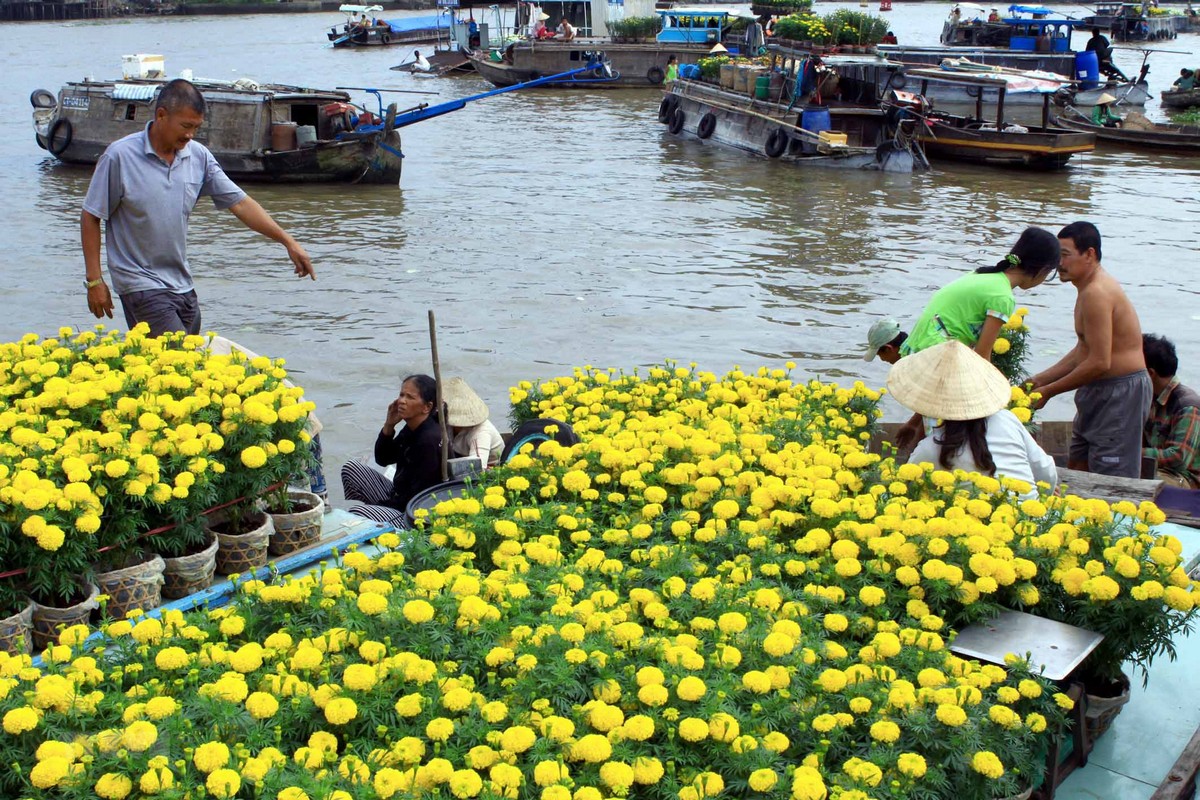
pixel 145 204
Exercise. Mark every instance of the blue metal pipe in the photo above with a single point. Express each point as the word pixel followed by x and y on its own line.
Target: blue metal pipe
pixel 429 112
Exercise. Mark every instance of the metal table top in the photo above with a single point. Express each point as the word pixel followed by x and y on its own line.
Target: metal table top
pixel 1055 649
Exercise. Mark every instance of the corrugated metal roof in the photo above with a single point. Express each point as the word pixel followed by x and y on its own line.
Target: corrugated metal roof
pixel 133 91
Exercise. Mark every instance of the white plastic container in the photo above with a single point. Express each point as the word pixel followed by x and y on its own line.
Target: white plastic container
pixel 143 65
pixel 306 136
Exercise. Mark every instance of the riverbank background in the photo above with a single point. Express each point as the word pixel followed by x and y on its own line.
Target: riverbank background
pixel 553 229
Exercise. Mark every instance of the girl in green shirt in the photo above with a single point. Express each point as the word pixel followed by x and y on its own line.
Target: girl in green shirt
pixel 973 308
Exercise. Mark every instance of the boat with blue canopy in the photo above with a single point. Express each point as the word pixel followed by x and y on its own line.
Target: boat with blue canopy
pixel 363 28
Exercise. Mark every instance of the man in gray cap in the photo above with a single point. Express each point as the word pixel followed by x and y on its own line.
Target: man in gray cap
pixel 884 340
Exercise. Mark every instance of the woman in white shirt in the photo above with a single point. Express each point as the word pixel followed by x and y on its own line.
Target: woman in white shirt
pixel 977 433
pixel 471 434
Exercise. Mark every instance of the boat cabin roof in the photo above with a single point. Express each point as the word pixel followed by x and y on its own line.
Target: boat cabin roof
pixel 1015 82
pixel 353 9
pixel 146 89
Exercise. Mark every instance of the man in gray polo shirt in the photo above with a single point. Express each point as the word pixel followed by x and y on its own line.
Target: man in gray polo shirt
pixel 144 188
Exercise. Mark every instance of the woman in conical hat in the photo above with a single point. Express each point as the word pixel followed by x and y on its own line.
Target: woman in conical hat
pixel 951 383
pixel 471 433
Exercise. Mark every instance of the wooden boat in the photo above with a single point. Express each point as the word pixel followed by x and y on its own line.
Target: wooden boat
pixel 1030 39
pixel 1181 98
pixel 686 34
pixel 993 142
pixel 851 135
pixel 377 32
pixel 1163 136
pixel 251 129
pixel 1128 24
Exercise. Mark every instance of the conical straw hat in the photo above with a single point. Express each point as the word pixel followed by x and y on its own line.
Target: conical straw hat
pixel 1105 98
pixel 949 381
pixel 465 409
pixel 718 48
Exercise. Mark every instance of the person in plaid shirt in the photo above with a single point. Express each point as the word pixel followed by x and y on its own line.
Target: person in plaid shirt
pixel 1172 434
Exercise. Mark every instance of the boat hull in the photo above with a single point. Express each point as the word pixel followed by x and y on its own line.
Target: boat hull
pixel 237 130
pixel 749 125
pixel 1038 148
pixel 1173 138
pixel 1177 98
pixel 634 65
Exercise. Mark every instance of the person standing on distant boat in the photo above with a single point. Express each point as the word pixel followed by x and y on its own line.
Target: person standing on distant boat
pixel 1106 368
pixel 672 74
pixel 755 37
pixel 420 62
pixel 144 189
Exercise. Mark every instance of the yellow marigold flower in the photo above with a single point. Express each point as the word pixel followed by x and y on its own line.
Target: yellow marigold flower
pixel 885 731
pixel 693 729
pixel 210 756
pixel 617 775
pixel 439 729
pixel 986 763
pixel 254 456
pixel 951 715
pixel 113 786
pixel 691 689
pixel 139 736
pixel 911 764
pixel 50 772
pixel 20 720
pixel 832 680
pixel 517 739
pixel 372 604
pixel 763 780
pixel 224 783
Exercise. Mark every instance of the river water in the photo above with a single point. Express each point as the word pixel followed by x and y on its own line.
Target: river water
pixel 552 229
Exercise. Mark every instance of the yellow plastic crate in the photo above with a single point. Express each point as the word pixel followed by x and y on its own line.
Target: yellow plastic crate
pixel 830 137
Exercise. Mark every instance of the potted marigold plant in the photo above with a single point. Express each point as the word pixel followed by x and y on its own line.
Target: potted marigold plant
pixel 265 446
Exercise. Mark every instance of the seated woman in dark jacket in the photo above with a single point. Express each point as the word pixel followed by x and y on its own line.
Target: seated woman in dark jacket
pixel 415 450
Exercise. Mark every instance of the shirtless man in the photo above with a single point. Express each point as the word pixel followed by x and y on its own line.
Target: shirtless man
pixel 1106 366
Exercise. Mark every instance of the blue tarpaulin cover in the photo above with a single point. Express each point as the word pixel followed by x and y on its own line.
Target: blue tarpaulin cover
pixel 410 24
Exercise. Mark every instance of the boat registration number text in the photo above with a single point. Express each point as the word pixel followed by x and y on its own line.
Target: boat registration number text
pixel 76 101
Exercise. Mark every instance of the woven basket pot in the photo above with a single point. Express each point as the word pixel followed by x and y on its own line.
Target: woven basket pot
pixel 48 621
pixel 192 573
pixel 1102 711
pixel 136 587
pixel 14 632
pixel 242 552
pixel 298 529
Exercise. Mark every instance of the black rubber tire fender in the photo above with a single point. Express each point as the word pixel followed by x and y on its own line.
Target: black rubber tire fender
pixel 777 143
pixel 667 107
pixel 973 91
pixel 59 138
pixel 708 124
pixel 41 98
pixel 678 118
pixel 41 140
pixel 386 38
pixel 655 75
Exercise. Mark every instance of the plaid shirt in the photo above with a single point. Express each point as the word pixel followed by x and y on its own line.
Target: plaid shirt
pixel 1172 434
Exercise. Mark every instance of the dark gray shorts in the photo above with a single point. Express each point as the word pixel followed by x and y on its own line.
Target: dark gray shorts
pixel 1109 416
pixel 163 311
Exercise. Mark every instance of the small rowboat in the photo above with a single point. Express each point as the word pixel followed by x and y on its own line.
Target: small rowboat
pixel 1162 136
pixel 1181 98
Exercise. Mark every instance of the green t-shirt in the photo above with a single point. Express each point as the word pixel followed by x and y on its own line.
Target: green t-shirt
pixel 962 307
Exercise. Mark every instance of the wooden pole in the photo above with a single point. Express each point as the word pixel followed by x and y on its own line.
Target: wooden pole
pixel 441 409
